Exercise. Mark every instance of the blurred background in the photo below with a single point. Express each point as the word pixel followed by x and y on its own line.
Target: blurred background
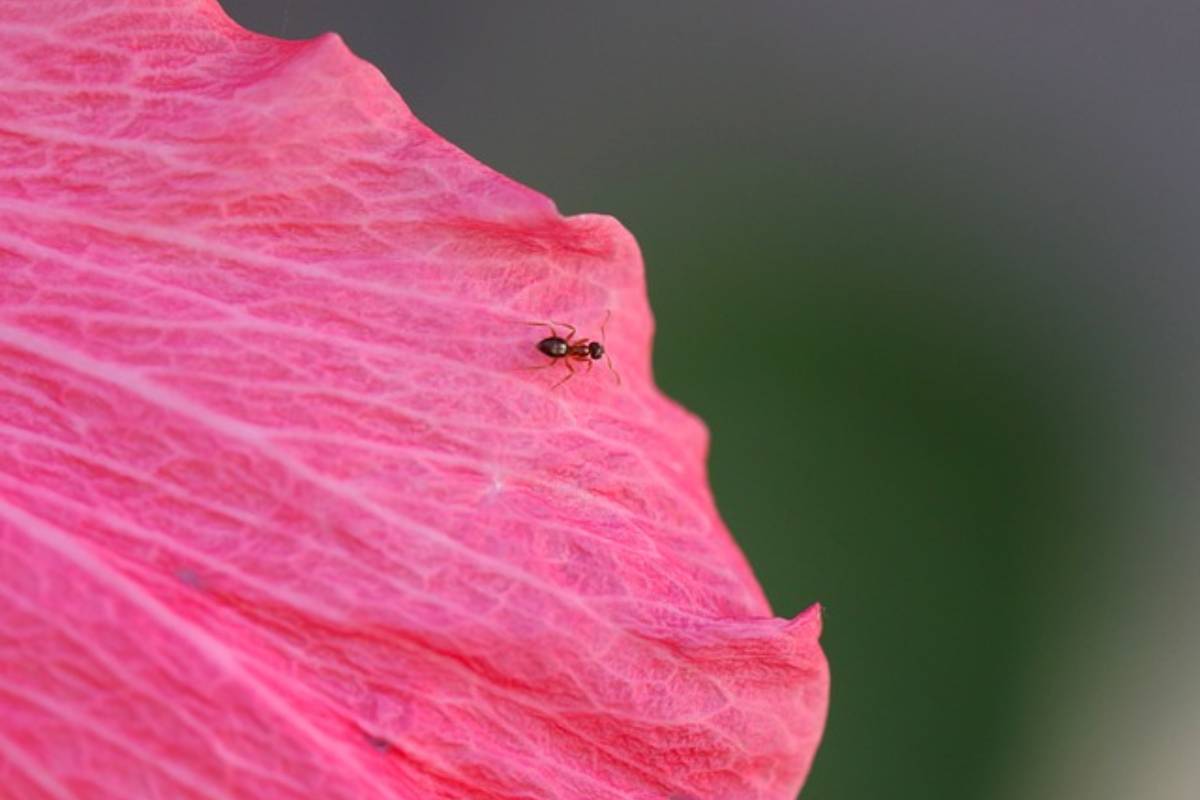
pixel 928 271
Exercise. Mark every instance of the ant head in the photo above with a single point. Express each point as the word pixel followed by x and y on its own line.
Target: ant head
pixel 595 350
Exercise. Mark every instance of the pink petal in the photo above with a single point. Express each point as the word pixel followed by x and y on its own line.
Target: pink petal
pixel 282 514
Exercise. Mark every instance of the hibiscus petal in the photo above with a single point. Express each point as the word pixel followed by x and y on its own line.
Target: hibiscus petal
pixel 283 511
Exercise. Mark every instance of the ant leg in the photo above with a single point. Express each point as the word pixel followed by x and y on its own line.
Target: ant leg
pixel 571 370
pixel 543 366
pixel 550 324
pixel 546 325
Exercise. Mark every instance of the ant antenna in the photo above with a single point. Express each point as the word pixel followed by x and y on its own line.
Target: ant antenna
pixel 604 341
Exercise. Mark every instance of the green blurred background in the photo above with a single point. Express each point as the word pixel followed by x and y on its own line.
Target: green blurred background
pixel 928 272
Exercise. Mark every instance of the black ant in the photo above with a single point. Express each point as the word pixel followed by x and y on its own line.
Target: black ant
pixel 571 349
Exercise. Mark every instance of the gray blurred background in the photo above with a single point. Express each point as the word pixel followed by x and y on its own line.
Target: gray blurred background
pixel 928 271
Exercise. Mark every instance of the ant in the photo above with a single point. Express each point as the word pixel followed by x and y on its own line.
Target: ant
pixel 572 349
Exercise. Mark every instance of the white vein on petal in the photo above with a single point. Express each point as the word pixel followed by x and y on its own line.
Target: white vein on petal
pixel 201 642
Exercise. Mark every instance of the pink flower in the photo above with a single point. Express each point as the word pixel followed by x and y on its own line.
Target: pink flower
pixel 282 512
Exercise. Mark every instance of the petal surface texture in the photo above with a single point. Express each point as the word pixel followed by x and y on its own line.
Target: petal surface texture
pixel 284 510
